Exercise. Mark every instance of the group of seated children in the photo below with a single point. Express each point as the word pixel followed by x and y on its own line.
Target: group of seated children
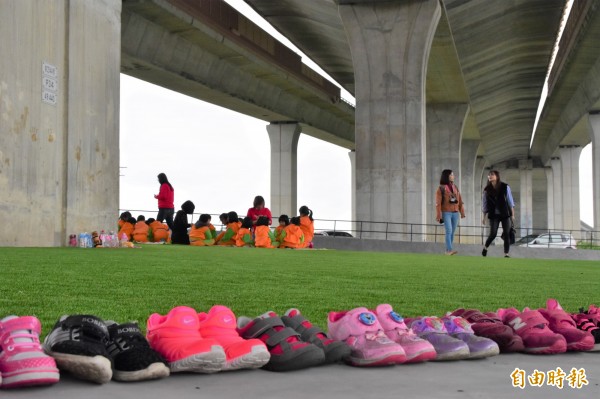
pixel 142 230
pixel 297 232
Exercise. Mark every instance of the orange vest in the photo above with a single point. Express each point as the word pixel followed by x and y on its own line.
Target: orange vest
pixel 294 238
pixel 199 236
pixel 243 238
pixel 308 229
pixel 127 228
pixel 140 232
pixel 278 231
pixel 227 238
pixel 262 237
pixel 160 231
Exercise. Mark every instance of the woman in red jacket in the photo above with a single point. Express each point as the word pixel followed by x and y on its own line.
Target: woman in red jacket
pixel 166 201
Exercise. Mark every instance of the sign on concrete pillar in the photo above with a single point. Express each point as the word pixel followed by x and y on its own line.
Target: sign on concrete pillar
pixel 594 130
pixel 526 197
pixel 390 65
pixel 569 160
pixel 284 148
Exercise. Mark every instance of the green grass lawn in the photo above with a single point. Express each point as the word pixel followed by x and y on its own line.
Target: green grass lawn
pixel 130 284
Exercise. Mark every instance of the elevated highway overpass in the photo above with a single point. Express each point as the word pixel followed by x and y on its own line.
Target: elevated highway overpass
pixel 438 84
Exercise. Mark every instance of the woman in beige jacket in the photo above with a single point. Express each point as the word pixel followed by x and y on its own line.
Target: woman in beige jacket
pixel 448 205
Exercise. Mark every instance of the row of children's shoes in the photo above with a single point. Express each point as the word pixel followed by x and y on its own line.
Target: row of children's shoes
pixel 184 340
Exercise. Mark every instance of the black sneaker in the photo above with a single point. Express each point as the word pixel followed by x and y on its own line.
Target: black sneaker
pixel 78 344
pixel 484 252
pixel 132 356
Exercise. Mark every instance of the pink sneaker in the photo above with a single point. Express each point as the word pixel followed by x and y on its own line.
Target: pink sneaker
pixel 22 360
pixel 220 324
pixel 479 347
pixel 562 323
pixel 433 330
pixel 416 349
pixel 177 338
pixel 360 329
pixel 533 328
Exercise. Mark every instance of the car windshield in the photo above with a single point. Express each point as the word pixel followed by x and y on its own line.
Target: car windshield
pixel 527 239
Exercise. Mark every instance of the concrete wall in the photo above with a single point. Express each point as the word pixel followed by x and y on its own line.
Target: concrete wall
pixel 59 158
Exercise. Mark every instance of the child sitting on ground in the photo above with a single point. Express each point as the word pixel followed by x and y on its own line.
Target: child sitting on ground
pixel 179 234
pixel 263 236
pixel 227 238
pixel 284 220
pixel 292 235
pixel 200 234
pixel 243 237
pixel 124 217
pixel 158 231
pixel 307 225
pixel 140 230
pixel 212 229
pixel 127 229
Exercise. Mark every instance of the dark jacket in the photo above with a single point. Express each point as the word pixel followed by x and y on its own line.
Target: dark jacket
pixel 497 203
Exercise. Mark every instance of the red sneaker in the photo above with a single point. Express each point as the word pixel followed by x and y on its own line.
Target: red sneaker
pixel 490 326
pixel 532 327
pixel 220 324
pixel 177 338
pixel 562 323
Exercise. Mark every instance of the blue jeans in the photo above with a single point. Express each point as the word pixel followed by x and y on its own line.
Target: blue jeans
pixel 450 223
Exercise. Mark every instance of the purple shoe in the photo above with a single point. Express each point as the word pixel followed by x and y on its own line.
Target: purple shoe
pixel 432 329
pixel 416 349
pixel 479 347
pixel 360 329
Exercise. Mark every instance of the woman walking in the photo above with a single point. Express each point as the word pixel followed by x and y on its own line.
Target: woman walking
pixel 166 201
pixel 498 205
pixel 449 205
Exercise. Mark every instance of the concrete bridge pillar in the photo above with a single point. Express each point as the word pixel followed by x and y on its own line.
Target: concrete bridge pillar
pixel 468 158
pixel 550 197
pixel 390 44
pixel 557 189
pixel 284 173
pixel 569 160
pixel 526 197
pixel 594 129
pixel 352 156
pixel 59 119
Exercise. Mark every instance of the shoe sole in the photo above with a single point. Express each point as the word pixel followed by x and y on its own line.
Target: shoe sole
pixel 205 363
pixel 420 356
pixel 310 356
pixel 560 347
pixel 580 346
pixel 30 378
pixel 493 351
pixel 97 369
pixel 152 372
pixel 258 357
pixel 387 360
pixel 462 353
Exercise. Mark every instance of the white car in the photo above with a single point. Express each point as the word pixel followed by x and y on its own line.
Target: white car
pixel 551 240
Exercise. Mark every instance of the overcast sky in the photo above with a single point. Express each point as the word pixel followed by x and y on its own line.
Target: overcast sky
pixel 220 159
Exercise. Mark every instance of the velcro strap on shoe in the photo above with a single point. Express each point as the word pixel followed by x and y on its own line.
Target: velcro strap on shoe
pixel 89 325
pixel 23 323
pixel 281 335
pixel 527 320
pixel 260 326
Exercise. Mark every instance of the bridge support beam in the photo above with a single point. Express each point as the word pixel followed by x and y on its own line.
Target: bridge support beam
pixel 525 202
pixel 557 189
pixel 59 119
pixel 550 197
pixel 594 130
pixel 569 160
pixel 284 167
pixel 468 160
pixel 390 43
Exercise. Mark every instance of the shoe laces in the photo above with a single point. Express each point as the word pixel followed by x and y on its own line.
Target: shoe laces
pixel 17 341
pixel 378 335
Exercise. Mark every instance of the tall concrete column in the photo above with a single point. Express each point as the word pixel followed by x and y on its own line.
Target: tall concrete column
pixel 284 175
pixel 550 197
pixel 390 44
pixel 468 158
pixel 59 119
pixel 526 197
pixel 594 130
pixel 569 159
pixel 352 156
pixel 444 132
pixel 478 182
pixel 557 186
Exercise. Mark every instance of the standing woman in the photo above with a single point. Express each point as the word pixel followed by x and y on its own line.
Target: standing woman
pixel 448 206
pixel 498 204
pixel 166 201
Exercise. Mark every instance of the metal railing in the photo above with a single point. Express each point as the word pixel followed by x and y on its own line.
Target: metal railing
pixel 411 232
